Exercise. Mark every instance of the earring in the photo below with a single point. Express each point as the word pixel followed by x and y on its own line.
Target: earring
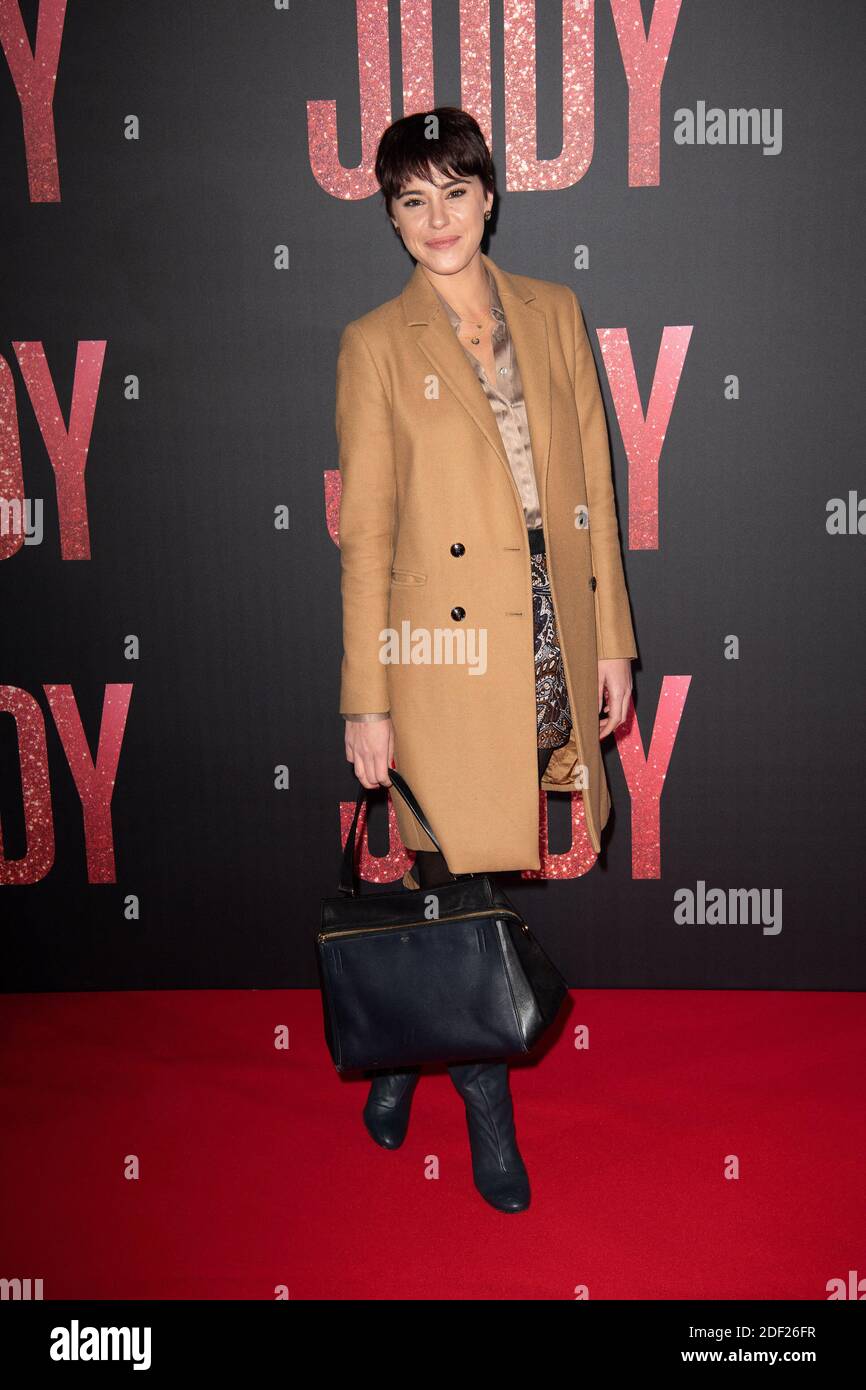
pixel 487 217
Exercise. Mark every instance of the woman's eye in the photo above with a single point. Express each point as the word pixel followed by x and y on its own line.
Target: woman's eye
pixel 416 202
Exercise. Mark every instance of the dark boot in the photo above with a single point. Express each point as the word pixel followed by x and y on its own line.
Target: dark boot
pixel 497 1167
pixel 386 1113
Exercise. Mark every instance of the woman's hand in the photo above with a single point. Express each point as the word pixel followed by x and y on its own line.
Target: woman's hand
pixel 370 746
pixel 614 683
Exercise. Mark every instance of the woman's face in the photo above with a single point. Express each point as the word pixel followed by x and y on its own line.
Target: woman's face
pixel 442 223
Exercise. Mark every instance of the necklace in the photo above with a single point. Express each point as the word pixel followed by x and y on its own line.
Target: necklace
pixel 479 326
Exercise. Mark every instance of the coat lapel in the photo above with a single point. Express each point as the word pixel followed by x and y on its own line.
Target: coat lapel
pixel 439 343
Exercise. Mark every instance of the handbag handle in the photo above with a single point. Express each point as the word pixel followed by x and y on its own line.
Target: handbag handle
pixel 348 877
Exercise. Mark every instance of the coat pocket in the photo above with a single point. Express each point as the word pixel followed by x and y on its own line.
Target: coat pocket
pixel 407 577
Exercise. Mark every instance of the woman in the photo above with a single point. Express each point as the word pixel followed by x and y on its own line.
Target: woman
pixel 478 533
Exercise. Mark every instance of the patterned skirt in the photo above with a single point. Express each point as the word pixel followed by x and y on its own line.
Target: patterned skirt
pixel 551 692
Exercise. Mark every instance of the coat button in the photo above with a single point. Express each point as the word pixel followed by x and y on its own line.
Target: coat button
pixel 592 583
pixel 458 614
pixel 458 548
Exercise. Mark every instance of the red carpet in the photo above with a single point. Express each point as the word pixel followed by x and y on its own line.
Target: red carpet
pixel 256 1170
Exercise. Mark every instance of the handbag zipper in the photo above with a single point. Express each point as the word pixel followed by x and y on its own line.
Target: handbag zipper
pixel 424 922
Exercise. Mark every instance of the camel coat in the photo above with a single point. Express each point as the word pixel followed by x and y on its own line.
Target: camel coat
pixel 433 546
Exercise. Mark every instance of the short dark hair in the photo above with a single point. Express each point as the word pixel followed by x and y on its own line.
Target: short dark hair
pixel 407 151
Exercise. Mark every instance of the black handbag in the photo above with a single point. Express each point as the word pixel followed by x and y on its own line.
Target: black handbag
pixel 401 986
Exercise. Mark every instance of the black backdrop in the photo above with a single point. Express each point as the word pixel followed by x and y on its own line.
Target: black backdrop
pixel 214 408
